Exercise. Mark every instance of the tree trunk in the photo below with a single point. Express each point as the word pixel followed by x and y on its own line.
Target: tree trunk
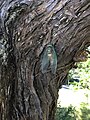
pixel 26 27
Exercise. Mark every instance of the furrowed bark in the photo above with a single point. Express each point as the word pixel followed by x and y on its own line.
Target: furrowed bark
pixel 26 27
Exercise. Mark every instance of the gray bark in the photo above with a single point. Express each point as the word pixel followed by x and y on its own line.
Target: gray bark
pixel 26 26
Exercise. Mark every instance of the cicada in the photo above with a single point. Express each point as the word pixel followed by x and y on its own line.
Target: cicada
pixel 49 59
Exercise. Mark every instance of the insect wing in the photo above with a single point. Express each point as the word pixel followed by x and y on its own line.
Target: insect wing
pixel 44 62
pixel 54 62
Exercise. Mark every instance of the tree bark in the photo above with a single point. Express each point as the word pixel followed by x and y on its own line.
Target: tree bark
pixel 26 27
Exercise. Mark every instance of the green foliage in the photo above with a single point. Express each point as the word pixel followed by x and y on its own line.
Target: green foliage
pixel 83 73
pixel 66 113
pixel 82 112
pixel 85 111
pixel 72 113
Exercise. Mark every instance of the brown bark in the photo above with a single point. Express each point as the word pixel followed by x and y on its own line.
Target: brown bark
pixel 26 26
